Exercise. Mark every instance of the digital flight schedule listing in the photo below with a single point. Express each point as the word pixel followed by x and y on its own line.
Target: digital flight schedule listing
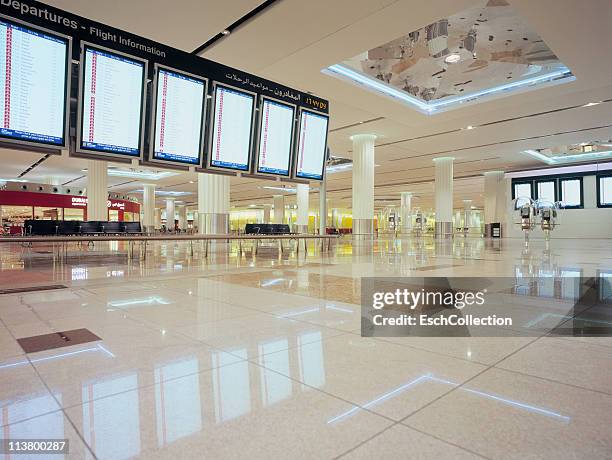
pixel 312 145
pixel 112 103
pixel 232 129
pixel 275 137
pixel 178 117
pixel 33 67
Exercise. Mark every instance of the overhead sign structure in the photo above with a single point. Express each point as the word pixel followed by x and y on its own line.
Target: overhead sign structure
pixel 311 151
pixel 178 117
pixel 115 68
pixel 111 103
pixel 231 135
pixel 34 85
pixel 275 140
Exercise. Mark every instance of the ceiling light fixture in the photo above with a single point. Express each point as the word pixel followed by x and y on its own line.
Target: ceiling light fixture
pixel 563 74
pixel 282 189
pixel 559 159
pixel 452 58
pixel 226 32
pixel 591 104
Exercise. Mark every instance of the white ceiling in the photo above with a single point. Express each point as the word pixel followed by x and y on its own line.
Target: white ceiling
pixel 293 40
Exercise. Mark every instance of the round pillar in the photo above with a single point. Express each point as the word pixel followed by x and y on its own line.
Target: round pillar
pixel 158 219
pixel 182 218
pixel 267 211
pixel 279 209
pixel 363 184
pixel 302 208
pixel 213 203
pixel 148 208
pixel 467 216
pixel 406 212
pixel 323 206
pixel 170 215
pixel 444 196
pixel 97 190
pixel 494 205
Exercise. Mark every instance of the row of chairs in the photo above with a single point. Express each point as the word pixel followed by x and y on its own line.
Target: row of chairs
pixel 77 227
pixel 267 229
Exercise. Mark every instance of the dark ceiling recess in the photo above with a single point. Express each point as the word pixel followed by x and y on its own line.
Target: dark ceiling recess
pixel 232 28
pixel 30 168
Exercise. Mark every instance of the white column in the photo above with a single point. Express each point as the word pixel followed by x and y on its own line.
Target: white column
pixel 302 207
pixel 97 190
pixel 213 203
pixel 334 218
pixel 170 215
pixel 444 196
pixel 279 209
pixel 148 207
pixel 182 218
pixel 267 210
pixel 467 214
pixel 363 184
pixel 494 199
pixel 158 218
pixel 406 212
pixel 323 206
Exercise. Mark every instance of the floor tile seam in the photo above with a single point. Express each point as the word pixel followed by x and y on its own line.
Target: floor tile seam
pixel 145 386
pixel 293 347
pixel 327 393
pixel 439 353
pixel 27 419
pixel 365 441
pixel 470 379
pixel 478 454
pixel 574 339
pixel 425 433
pixel 549 380
pixel 74 427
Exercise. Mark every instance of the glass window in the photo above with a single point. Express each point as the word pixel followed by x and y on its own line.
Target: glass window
pixel 113 215
pixel 47 213
pixel 571 192
pixel 73 213
pixel 522 190
pixel 546 191
pixel 605 191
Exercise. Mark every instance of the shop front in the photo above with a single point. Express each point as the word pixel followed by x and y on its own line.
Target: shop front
pixel 17 206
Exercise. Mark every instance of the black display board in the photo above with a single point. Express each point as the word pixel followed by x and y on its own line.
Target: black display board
pixel 80 28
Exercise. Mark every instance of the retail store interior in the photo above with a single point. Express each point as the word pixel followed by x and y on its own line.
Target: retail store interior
pixel 193 193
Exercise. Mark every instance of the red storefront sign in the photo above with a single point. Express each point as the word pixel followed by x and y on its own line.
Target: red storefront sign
pixel 55 200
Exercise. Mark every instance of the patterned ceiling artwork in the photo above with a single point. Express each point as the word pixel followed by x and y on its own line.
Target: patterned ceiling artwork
pixel 583 148
pixel 480 48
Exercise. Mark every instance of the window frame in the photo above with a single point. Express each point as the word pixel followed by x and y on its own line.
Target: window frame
pixel 521 182
pixel 580 180
pixel 598 178
pixel 555 188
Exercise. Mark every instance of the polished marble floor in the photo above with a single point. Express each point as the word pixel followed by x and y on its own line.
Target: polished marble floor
pixel 260 356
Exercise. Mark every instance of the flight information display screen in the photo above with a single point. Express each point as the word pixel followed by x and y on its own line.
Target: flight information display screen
pixel 275 137
pixel 112 101
pixel 178 117
pixel 33 85
pixel 232 129
pixel 312 145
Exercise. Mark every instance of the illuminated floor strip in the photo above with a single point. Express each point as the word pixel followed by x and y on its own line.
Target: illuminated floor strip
pixel 431 378
pixel 98 347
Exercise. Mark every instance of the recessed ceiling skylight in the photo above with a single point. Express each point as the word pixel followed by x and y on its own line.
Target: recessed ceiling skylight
pixel 573 153
pixel 484 52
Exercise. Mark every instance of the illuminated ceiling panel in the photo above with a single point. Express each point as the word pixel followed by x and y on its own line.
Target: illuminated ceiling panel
pixel 482 52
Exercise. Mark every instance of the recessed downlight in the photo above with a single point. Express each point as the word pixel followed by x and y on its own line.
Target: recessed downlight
pixel 452 58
